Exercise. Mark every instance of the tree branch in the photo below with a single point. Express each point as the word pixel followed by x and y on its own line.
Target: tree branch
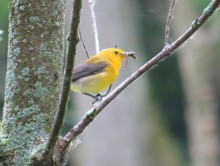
pixel 83 44
pixel 94 25
pixel 166 51
pixel 73 40
pixel 169 18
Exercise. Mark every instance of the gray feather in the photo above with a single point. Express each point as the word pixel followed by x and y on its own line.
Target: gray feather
pixel 83 70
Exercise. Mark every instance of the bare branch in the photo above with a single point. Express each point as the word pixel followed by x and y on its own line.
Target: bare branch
pixel 83 44
pixel 169 18
pixel 167 51
pixel 94 25
pixel 71 50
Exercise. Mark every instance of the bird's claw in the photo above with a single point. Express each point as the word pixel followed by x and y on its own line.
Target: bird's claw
pixel 97 98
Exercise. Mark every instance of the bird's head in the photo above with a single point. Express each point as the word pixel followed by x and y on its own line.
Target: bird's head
pixel 116 54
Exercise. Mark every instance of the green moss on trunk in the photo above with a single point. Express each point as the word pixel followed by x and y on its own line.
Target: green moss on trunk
pixel 34 75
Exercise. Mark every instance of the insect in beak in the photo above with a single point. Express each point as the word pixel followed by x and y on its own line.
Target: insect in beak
pixel 130 54
pixel 127 55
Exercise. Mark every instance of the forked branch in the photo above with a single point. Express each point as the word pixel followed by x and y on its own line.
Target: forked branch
pixel 167 27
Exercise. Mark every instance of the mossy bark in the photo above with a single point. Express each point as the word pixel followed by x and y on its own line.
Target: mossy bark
pixel 33 78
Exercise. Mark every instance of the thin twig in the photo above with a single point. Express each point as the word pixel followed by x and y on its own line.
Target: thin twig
pixel 71 50
pixel 83 44
pixel 94 25
pixel 167 51
pixel 169 18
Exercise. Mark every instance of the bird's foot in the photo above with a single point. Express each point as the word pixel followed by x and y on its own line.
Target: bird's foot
pixel 97 98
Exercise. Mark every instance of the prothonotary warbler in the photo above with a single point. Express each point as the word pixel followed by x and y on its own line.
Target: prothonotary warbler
pixel 98 72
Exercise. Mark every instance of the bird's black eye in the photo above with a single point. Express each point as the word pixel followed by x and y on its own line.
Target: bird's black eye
pixel 116 52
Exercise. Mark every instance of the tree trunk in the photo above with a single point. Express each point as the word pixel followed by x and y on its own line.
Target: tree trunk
pixel 33 78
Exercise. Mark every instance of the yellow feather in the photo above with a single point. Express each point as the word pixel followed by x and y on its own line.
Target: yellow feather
pixel 97 82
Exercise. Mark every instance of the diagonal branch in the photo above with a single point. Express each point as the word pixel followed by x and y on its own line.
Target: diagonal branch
pixel 167 51
pixel 71 51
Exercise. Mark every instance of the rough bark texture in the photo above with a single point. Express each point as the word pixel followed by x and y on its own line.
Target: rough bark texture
pixel 34 74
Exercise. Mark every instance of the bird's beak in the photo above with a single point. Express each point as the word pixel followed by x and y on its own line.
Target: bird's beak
pixel 129 54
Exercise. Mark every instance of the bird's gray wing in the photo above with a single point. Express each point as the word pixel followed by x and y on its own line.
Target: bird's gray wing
pixel 83 70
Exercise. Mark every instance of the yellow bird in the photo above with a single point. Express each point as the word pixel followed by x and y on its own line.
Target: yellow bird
pixel 98 72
